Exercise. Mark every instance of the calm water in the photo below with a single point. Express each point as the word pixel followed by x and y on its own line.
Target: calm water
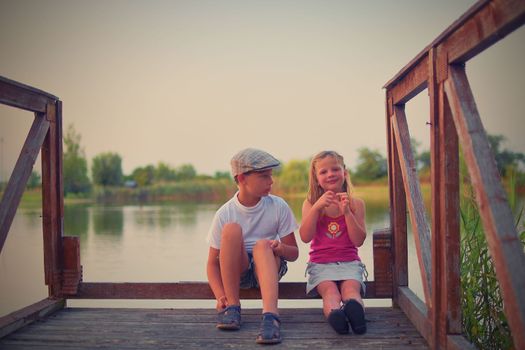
pixel 148 243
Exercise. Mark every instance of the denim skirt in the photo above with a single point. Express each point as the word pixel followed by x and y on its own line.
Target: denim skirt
pixel 337 271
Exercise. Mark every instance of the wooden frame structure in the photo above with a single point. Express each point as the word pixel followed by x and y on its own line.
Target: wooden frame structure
pixel 454 118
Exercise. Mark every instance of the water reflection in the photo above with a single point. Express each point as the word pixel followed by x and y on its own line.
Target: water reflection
pixel 108 220
pixel 76 221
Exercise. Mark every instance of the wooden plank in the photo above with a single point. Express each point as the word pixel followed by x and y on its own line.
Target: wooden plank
pixel 184 290
pixel 503 242
pixel 416 311
pixel 21 318
pixel 22 96
pixel 52 197
pixel 415 199
pixel 18 180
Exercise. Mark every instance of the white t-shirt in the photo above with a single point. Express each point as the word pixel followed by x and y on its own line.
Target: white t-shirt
pixel 271 218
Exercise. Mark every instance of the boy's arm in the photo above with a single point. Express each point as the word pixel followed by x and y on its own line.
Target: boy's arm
pixel 214 276
pixel 287 247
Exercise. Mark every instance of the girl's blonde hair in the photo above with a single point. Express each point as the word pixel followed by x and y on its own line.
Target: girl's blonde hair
pixel 314 189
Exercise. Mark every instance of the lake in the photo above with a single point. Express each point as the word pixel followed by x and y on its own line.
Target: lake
pixel 146 243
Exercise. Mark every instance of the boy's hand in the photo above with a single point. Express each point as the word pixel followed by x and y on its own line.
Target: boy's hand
pixel 277 247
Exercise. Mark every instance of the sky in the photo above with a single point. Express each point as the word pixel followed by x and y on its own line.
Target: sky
pixel 195 81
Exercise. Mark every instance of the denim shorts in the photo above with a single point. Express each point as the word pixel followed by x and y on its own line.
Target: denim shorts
pixel 249 278
pixel 337 271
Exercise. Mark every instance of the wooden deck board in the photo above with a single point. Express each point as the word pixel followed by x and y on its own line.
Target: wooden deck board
pixel 113 328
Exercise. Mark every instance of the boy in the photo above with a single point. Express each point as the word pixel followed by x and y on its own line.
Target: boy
pixel 251 238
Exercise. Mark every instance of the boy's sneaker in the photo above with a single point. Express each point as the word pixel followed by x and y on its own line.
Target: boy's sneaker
pixel 270 331
pixel 229 318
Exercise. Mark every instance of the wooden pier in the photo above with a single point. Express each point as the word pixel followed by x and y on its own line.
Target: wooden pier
pixel 434 322
pixel 86 328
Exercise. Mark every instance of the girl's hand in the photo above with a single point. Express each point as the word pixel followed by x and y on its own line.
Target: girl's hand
pixel 326 200
pixel 345 203
pixel 277 247
pixel 221 303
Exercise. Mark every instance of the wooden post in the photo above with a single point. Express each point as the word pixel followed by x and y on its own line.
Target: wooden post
pixel 398 213
pixel 382 246
pixel 52 206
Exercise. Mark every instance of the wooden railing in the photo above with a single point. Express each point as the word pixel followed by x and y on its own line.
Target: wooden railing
pixel 454 119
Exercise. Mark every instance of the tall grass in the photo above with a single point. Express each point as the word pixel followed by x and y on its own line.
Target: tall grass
pixel 484 321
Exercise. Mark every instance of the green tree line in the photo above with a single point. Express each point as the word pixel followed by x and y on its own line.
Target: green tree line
pixel 371 167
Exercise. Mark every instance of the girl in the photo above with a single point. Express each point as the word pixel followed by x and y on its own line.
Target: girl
pixel 334 222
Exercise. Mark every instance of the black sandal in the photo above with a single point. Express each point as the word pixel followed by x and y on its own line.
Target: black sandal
pixel 270 331
pixel 229 318
pixel 337 319
pixel 356 316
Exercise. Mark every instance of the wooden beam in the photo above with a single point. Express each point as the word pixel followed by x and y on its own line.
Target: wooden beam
pixel 459 342
pixel 414 81
pixel 487 26
pixel 450 219
pixel 504 244
pixel 184 290
pixel 416 311
pixel 29 314
pixel 436 179
pixel 18 180
pixel 416 208
pixel 18 95
pixel 398 217
pixel 484 24
pixel 52 200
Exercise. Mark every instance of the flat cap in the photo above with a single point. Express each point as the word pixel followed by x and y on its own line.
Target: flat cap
pixel 251 159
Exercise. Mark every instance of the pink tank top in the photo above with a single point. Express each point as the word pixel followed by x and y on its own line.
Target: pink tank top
pixel 331 242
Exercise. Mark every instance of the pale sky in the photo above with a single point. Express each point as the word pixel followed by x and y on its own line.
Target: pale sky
pixel 196 81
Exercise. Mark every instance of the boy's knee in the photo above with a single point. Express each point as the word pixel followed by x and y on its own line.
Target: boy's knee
pixel 261 246
pixel 231 231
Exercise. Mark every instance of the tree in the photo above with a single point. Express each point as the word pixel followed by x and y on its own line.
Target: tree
pixel 222 175
pixel 34 180
pixel 371 165
pixel 144 176
pixel 107 169
pixel 75 170
pixel 504 158
pixel 163 172
pixel 294 176
pixel 185 172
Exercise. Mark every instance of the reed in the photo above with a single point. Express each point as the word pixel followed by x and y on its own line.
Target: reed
pixel 484 321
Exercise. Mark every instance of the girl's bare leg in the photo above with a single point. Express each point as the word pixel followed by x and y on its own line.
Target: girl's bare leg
pixel 331 296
